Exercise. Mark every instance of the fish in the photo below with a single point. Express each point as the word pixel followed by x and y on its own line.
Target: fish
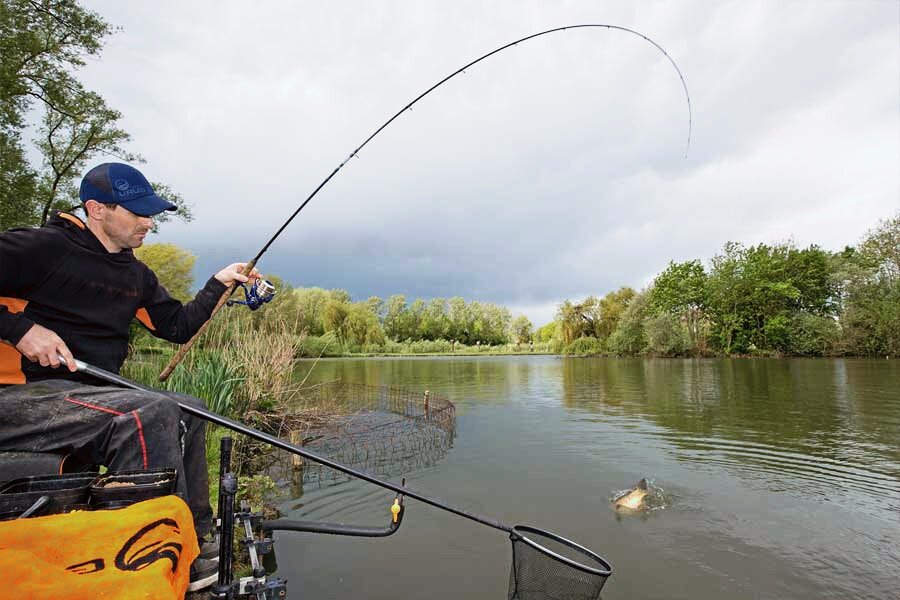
pixel 634 500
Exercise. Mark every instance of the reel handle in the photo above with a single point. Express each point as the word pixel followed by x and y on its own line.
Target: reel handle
pixel 186 347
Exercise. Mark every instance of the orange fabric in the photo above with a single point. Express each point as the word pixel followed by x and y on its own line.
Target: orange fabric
pixel 10 359
pixel 142 551
pixel 144 317
pixel 73 219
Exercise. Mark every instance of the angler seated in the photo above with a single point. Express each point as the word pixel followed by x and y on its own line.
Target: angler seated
pixel 70 289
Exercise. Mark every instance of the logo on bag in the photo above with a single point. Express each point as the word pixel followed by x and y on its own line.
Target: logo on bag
pixel 149 544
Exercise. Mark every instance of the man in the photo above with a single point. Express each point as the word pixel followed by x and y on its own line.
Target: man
pixel 70 289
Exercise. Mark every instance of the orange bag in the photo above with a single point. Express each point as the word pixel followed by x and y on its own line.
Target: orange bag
pixel 142 551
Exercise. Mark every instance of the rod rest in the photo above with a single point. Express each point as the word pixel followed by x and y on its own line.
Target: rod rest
pixel 335 528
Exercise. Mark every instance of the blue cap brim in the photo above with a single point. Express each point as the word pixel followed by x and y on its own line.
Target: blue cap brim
pixel 149 205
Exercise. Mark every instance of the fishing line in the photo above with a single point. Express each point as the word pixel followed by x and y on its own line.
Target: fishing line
pixel 454 74
pixel 252 263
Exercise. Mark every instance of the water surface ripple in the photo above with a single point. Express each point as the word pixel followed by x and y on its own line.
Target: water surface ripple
pixel 784 478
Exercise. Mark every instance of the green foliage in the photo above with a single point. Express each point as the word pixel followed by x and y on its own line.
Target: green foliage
pixel 521 329
pixel 612 306
pixel 42 45
pixel 18 185
pixel 880 250
pixel 256 489
pixel 666 336
pixel 577 319
pixel 334 318
pixel 814 335
pixel 747 287
pixel 584 346
pixel 314 346
pixel 204 375
pixel 310 306
pixel 209 376
pixel 362 326
pixel 546 332
pixel 629 337
pixel 173 267
pixel 871 289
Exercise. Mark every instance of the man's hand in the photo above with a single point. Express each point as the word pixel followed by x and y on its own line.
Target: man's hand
pixel 234 273
pixel 41 345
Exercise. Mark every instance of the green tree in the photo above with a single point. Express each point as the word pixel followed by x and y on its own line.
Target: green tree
pixel 18 185
pixel 611 308
pixel 434 324
pixel 334 319
pixel 310 303
pixel 394 326
pixel 665 335
pixel 680 290
pixel 42 44
pixel 361 326
pixel 578 320
pixel 749 287
pixel 871 315
pixel 629 337
pixel 521 329
pixel 459 319
pixel 547 332
pixel 880 249
pixel 173 267
pixel 375 305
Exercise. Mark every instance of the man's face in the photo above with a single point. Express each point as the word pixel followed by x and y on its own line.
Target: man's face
pixel 123 228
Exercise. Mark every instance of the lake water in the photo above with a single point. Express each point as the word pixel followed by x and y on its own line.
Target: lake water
pixel 783 478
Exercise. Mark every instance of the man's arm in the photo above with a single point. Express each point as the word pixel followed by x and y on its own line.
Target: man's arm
pixel 27 257
pixel 170 320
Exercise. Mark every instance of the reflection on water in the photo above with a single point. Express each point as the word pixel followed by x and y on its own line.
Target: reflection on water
pixel 782 478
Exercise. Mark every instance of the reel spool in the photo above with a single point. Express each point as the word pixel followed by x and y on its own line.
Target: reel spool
pixel 259 293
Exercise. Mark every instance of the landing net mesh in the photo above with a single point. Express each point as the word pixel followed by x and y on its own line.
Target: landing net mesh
pixel 546 566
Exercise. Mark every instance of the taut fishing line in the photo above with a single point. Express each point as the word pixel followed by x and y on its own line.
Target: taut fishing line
pixel 252 263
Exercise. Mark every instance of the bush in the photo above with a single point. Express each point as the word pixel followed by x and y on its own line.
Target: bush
pixel 584 346
pixel 629 337
pixel 314 346
pixel 666 336
pixel 814 335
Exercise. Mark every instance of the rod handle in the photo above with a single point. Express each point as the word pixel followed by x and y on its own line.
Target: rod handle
pixel 186 347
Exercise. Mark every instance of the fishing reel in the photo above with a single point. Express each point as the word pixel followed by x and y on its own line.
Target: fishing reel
pixel 259 293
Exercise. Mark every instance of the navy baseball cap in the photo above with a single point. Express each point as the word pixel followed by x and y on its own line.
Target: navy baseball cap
pixel 117 183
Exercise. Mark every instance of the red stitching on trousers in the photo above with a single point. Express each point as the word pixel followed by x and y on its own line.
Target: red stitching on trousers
pixel 94 406
pixel 141 436
pixel 137 419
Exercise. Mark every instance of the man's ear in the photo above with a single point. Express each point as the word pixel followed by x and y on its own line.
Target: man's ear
pixel 93 209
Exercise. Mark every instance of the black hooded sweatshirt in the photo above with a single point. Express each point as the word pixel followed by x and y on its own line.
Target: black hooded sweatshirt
pixel 61 276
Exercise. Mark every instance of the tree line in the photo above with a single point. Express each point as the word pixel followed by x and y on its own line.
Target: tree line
pixel 757 300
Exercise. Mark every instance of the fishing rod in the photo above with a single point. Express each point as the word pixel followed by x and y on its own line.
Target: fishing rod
pixel 182 352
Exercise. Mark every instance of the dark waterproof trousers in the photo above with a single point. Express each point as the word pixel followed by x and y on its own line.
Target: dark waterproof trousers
pixel 120 428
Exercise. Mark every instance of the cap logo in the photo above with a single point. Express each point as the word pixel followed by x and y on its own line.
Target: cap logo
pixel 121 184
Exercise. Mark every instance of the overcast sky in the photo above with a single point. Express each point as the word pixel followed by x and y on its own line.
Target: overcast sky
pixel 552 170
